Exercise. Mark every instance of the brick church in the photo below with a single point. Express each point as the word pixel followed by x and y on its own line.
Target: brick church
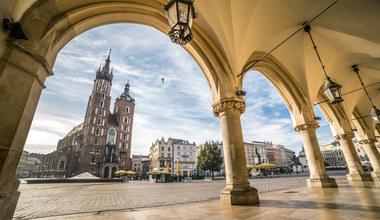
pixel 101 144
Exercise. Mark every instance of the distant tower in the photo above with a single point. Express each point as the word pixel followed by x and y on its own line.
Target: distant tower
pixel 124 109
pixel 96 119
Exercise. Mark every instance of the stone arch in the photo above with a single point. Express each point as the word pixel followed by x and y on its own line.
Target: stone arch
pixel 58 24
pixel 300 108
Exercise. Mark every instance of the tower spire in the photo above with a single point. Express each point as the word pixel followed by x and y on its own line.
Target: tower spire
pixel 105 73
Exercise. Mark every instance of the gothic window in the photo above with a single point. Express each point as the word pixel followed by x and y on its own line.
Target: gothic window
pixel 123 146
pixel 99 85
pixel 103 95
pixel 111 139
pixel 96 141
pixel 100 112
pixel 99 121
pixel 101 104
pixel 105 87
pixel 127 110
pixel 97 131
pixel 126 120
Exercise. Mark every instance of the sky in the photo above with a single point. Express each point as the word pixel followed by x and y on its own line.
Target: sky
pixel 179 107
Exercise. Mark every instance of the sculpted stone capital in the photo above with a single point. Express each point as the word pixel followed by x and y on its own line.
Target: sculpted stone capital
pixel 345 136
pixel 368 141
pixel 228 106
pixel 311 126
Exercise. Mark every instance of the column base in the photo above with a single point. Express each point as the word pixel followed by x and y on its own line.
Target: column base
pixel 359 177
pixel 321 182
pixel 239 196
pixel 8 203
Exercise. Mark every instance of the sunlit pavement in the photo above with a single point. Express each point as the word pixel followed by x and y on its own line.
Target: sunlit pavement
pixel 283 197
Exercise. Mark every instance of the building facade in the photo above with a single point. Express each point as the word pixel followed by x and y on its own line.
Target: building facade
pixel 184 153
pixel 138 164
pixel 100 145
pixel 21 164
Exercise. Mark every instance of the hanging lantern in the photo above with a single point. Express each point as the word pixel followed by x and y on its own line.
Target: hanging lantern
pixel 375 114
pixel 333 91
pixel 180 15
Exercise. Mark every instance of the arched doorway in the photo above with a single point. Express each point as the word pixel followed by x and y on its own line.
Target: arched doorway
pixel 106 172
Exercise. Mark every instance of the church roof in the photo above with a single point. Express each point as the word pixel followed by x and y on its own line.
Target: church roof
pixel 74 130
pixel 112 120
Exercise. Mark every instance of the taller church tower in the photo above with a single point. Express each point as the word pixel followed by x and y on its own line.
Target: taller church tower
pixel 96 119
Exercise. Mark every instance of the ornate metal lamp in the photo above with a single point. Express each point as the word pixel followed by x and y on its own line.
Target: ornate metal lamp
pixel 331 89
pixel 180 14
pixel 375 113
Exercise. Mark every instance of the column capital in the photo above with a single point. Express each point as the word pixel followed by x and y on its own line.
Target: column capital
pixel 368 141
pixel 345 136
pixel 309 126
pixel 232 105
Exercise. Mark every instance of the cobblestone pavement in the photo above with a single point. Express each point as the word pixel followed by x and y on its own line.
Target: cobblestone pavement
pixel 42 200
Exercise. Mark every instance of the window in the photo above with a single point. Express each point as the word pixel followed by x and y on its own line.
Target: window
pixel 178 147
pixel 93 159
pixel 101 103
pixel 99 85
pixel 168 148
pixel 179 153
pixel 99 121
pixel 126 120
pixel 103 95
pixel 100 112
pixel 97 131
pixel 168 154
pixel 162 148
pixel 105 87
pixel 162 154
pixel 96 141
pixel 127 110
pixel 111 139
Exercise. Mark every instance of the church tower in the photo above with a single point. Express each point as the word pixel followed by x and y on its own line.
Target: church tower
pixel 124 109
pixel 96 119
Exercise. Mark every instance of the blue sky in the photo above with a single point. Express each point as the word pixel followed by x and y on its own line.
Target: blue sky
pixel 179 108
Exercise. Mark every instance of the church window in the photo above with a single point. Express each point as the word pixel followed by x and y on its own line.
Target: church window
pixel 97 131
pixel 126 120
pixel 100 112
pixel 111 139
pixel 99 121
pixel 103 95
pixel 105 87
pixel 101 104
pixel 127 110
pixel 99 85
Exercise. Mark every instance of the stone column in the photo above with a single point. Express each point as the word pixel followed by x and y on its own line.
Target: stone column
pixel 318 175
pixel 356 171
pixel 22 76
pixel 237 190
pixel 373 155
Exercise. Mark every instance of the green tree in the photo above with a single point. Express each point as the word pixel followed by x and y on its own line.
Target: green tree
pixel 210 157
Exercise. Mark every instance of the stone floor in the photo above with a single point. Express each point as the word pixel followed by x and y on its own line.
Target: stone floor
pixel 280 198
